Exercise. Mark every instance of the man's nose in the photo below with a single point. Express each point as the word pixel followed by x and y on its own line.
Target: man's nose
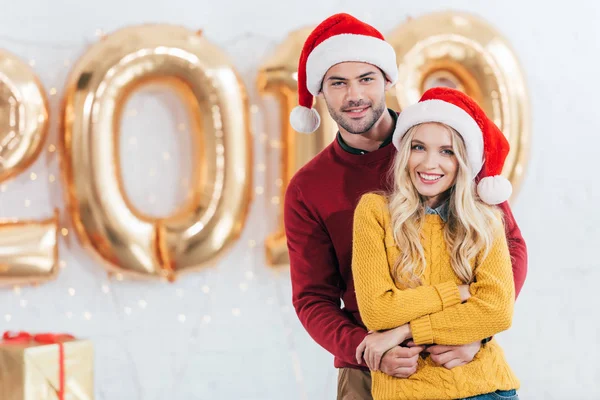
pixel 354 92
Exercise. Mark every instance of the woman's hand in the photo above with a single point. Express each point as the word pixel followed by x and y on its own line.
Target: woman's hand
pixel 465 294
pixel 376 344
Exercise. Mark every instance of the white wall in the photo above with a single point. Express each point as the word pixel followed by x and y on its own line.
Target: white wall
pixel 241 338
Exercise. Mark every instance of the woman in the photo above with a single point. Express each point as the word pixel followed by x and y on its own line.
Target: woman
pixel 430 258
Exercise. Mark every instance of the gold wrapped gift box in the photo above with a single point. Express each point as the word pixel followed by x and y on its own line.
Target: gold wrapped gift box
pixel 30 367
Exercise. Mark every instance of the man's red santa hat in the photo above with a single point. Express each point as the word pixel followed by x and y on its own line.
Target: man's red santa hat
pixel 340 38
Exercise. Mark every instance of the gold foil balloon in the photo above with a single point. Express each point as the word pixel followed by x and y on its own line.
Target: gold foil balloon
pixel 278 77
pixel 98 87
pixel 23 116
pixel 28 249
pixel 462 51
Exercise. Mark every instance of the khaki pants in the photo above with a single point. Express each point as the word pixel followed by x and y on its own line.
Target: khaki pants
pixel 354 384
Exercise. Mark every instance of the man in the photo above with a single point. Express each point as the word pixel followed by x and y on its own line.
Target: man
pixel 349 64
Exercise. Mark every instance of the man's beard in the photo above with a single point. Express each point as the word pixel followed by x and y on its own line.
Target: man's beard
pixel 344 120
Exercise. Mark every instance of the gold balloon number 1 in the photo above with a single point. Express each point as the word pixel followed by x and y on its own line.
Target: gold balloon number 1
pixel 28 249
pixel 277 78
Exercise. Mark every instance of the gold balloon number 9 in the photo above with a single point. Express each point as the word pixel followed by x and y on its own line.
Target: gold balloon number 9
pixel 28 249
pixel 98 87
pixel 465 52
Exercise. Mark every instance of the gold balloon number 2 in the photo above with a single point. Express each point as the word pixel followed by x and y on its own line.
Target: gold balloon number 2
pixel 28 249
pixel 453 49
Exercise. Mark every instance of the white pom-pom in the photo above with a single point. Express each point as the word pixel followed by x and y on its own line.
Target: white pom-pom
pixel 304 120
pixel 494 189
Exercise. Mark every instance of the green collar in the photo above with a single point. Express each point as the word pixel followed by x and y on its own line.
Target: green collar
pixel 353 150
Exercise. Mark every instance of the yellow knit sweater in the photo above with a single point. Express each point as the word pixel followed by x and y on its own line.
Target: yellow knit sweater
pixel 434 310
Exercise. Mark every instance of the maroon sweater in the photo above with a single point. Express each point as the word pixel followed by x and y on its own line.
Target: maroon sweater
pixel 319 208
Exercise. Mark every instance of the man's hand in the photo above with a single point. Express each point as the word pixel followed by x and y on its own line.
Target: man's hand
pixel 375 344
pixel 401 362
pixel 453 356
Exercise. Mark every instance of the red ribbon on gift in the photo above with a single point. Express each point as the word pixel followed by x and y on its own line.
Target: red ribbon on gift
pixel 45 338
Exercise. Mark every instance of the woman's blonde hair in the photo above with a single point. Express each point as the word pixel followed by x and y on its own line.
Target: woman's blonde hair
pixel 469 231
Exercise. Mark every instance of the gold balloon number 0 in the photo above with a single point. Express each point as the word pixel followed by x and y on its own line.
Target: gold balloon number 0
pixel 98 87
pixel 28 249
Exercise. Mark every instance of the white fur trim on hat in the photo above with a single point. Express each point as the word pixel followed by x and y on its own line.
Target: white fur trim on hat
pixel 304 119
pixel 347 48
pixel 448 114
pixel 494 189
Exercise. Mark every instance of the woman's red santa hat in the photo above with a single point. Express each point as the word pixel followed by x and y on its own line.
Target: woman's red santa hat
pixel 340 38
pixel 487 148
